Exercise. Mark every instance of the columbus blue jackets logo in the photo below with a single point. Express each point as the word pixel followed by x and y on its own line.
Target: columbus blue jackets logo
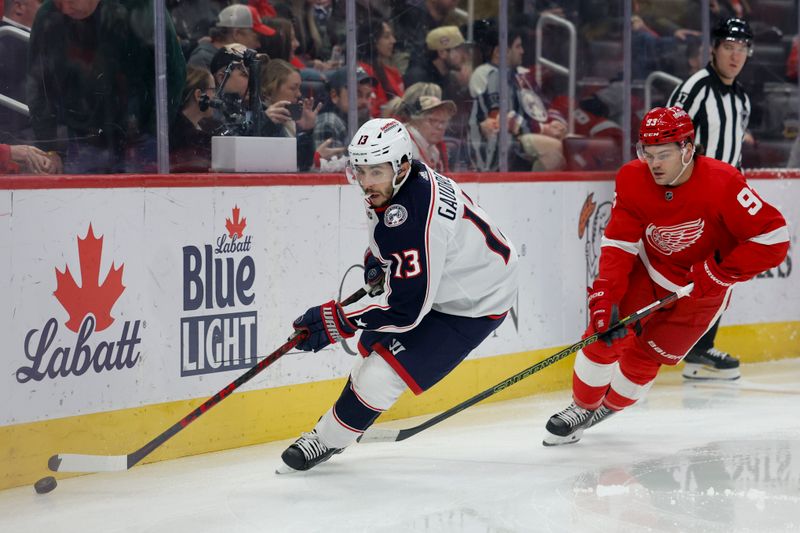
pixel 395 215
pixel 671 239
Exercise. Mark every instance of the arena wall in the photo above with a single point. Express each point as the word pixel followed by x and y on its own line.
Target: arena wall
pixel 126 302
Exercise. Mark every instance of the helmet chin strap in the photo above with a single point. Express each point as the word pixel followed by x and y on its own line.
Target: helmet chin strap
pixel 686 164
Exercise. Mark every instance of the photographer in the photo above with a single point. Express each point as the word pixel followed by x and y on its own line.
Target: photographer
pixel 288 115
pixel 190 135
pixel 234 68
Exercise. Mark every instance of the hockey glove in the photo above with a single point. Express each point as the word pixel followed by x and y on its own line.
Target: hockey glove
pixel 708 279
pixel 323 325
pixel 373 273
pixel 604 312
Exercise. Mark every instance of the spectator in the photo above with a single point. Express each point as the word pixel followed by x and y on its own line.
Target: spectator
pixel 14 125
pixel 444 64
pixel 591 117
pixel 322 24
pixel 375 49
pixel 91 70
pixel 414 19
pixel 724 9
pixel 237 24
pixel 16 158
pixel 537 129
pixel 283 44
pixel 20 13
pixel 427 117
pixel 194 20
pixel 791 61
pixel 190 135
pixel 280 89
pixel 264 7
pixel 331 126
pixel 656 29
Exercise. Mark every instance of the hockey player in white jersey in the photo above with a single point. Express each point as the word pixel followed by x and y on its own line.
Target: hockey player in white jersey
pixel 450 279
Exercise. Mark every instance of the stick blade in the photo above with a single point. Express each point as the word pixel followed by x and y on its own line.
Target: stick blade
pixel 72 462
pixel 380 435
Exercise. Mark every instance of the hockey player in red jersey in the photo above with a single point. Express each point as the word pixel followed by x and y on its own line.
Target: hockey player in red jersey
pixel 450 279
pixel 677 218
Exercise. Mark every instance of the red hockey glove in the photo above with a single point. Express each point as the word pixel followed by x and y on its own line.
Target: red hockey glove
pixel 325 324
pixel 603 312
pixel 708 280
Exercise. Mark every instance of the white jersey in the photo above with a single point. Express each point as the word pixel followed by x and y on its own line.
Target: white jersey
pixel 440 251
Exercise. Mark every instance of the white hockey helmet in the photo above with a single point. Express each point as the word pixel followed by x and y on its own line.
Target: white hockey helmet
pixel 380 140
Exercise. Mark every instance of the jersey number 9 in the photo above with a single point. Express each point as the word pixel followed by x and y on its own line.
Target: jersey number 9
pixel 749 201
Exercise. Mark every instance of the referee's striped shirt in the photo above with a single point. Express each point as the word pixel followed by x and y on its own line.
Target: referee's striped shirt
pixel 719 112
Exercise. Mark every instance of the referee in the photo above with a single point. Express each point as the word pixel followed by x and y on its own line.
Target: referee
pixel 720 110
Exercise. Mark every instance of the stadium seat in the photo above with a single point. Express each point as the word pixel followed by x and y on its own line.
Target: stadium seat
pixel 767 154
pixel 780 13
pixel 606 59
pixel 779 113
pixel 591 153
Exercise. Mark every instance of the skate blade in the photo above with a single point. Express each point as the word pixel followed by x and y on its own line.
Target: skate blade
pixel 555 440
pixel 703 372
pixel 284 469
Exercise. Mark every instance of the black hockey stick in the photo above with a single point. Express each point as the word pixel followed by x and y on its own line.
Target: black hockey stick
pixel 69 462
pixel 392 435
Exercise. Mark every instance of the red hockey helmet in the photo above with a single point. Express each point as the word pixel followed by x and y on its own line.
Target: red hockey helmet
pixel 663 125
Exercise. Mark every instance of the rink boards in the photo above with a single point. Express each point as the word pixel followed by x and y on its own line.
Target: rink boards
pixel 128 300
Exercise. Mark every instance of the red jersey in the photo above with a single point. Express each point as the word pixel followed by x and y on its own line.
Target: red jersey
pixel 713 214
pixel 384 94
pixel 7 166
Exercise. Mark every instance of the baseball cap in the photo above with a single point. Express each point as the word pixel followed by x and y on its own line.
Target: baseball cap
pixel 338 78
pixel 444 38
pixel 429 102
pixel 242 16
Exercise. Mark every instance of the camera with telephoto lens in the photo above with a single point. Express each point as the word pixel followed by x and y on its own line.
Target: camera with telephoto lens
pixel 239 118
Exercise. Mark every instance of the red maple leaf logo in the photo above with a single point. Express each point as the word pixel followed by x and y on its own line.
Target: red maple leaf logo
pixel 235 226
pixel 91 297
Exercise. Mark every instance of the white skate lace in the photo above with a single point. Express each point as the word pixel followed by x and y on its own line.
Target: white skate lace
pixel 573 414
pixel 310 445
pixel 713 352
pixel 601 413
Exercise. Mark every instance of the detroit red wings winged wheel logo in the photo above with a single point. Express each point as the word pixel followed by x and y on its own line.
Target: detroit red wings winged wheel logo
pixel 92 296
pixel 671 239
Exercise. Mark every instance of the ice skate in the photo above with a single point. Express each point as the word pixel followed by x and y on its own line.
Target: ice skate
pixel 305 453
pixel 599 415
pixel 566 427
pixel 710 364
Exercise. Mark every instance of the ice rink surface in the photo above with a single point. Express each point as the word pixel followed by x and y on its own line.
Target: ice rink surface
pixel 694 457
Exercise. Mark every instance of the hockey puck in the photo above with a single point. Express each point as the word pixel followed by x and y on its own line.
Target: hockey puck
pixel 45 485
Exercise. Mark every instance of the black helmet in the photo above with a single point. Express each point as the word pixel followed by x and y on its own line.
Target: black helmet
pixel 732 29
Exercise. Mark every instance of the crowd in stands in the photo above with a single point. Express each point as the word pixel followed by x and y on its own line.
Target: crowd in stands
pixel 87 75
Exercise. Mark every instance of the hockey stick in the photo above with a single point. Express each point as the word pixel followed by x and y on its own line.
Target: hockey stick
pixel 70 462
pixel 393 435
